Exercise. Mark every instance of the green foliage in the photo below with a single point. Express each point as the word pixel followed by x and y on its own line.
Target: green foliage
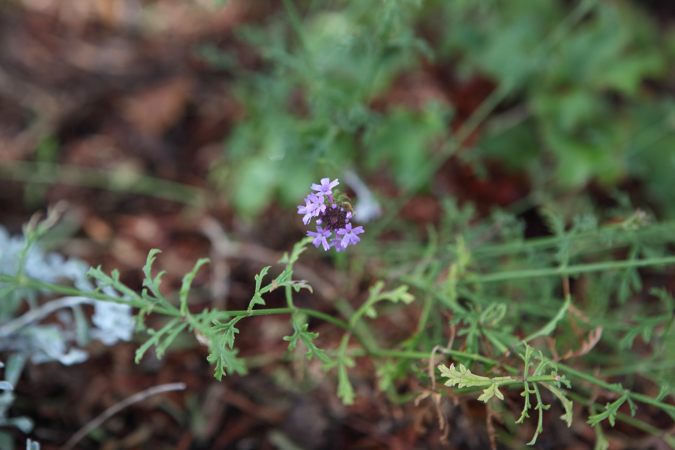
pixel 217 336
pixel 647 326
pixel 307 338
pixel 493 289
pixel 509 287
pixel 187 282
pixel 463 378
pixel 400 138
pixel 225 359
pixel 257 297
pixel 400 294
pixel 611 410
pixel 228 329
pixel 345 390
pixel 569 75
pixel 310 107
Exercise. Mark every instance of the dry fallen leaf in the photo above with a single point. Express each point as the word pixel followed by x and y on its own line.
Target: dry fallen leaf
pixel 158 108
pixel 586 345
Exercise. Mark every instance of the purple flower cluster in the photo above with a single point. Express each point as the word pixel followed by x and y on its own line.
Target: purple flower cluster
pixel 331 216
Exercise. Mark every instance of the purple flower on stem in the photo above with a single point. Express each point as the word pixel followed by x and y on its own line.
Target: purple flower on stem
pixel 314 205
pixel 318 202
pixel 307 210
pixel 332 215
pixel 337 243
pixel 350 235
pixel 326 187
pixel 320 237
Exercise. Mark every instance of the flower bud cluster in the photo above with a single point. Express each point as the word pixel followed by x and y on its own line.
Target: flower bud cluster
pixel 331 216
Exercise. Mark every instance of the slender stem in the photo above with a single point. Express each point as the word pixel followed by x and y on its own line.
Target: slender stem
pixel 296 23
pixel 541 242
pixel 616 389
pixel 569 270
pixel 118 407
pixel 289 297
pixel 426 313
pixel 40 313
pixel 642 367
pixel 632 421
pixel 593 238
pixel 553 241
pixel 71 291
pixel 589 378
pixel 68 290
pixel 409 354
pixel 439 295
pixel 343 307
pixel 264 312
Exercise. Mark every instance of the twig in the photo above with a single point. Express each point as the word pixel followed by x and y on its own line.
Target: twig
pixel 40 313
pixel 105 415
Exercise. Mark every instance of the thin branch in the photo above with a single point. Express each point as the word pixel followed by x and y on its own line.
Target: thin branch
pixel 105 415
pixel 37 314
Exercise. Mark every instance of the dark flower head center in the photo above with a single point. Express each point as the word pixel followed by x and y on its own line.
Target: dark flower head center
pixel 334 217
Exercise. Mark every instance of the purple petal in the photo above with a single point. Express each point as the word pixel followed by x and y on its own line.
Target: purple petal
pixel 326 186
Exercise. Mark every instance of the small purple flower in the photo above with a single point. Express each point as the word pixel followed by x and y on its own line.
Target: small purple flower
pixel 307 210
pixel 332 214
pixel 320 237
pixel 350 235
pixel 326 187
pixel 314 205
pixel 318 202
pixel 337 243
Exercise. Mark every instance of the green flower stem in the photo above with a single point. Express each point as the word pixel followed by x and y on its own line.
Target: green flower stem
pixel 424 316
pixel 289 298
pixel 353 320
pixel 616 389
pixel 409 354
pixel 68 290
pixel 343 307
pixel 310 312
pixel 569 270
pixel 554 241
pixel 632 421
pixel 663 230
pixel 538 243
pixel 438 294
pixel 642 367
pixel 296 23
pixel 31 238
pixel 71 291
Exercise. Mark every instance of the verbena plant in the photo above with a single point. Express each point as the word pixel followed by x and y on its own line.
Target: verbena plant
pixel 515 321
pixel 519 312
